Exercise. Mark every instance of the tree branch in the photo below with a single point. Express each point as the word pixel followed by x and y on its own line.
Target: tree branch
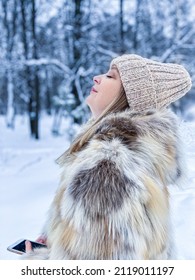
pixel 174 47
pixel 45 61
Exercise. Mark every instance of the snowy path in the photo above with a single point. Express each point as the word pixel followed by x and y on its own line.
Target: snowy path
pixel 29 178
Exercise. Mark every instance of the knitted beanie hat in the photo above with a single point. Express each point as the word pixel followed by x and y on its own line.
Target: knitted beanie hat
pixel 149 84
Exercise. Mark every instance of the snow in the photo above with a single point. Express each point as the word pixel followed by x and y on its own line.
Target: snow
pixel 29 177
pixel 49 10
pixel 45 61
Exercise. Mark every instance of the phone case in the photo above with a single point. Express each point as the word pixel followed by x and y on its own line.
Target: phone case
pixel 19 246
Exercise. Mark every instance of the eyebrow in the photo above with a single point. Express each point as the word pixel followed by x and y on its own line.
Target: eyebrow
pixel 114 68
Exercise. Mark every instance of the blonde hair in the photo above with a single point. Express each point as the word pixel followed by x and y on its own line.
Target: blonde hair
pixel 118 104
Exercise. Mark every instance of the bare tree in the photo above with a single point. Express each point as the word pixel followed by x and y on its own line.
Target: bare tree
pixel 122 46
pixel 28 11
pixel 9 20
pixel 53 61
pixel 35 102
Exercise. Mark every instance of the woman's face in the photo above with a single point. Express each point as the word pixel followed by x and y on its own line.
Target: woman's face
pixel 106 88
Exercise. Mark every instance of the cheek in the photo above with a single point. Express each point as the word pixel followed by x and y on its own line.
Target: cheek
pixel 98 102
pixel 102 101
pixel 112 92
pixel 105 97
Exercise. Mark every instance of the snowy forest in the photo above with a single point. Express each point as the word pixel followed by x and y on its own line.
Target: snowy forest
pixel 50 51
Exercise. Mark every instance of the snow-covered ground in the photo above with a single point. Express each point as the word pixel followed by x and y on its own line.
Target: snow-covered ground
pixel 29 177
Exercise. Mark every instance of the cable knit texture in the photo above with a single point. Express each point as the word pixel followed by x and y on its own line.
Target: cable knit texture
pixel 150 84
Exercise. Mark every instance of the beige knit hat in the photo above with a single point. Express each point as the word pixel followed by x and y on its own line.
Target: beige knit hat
pixel 150 84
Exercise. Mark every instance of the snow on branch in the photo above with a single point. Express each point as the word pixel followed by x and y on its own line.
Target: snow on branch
pixel 107 52
pixel 193 80
pixel 189 46
pixel 174 47
pixel 82 72
pixel 45 61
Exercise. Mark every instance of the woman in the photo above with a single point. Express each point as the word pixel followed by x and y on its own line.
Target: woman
pixel 112 202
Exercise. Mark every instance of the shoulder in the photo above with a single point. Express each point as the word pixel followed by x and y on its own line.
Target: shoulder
pixel 130 126
pixel 128 135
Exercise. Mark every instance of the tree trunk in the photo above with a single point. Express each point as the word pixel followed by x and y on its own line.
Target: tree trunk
pixel 57 120
pixel 122 46
pixel 48 92
pixel 9 21
pixel 137 22
pixel 27 71
pixel 10 100
pixel 76 48
pixel 36 78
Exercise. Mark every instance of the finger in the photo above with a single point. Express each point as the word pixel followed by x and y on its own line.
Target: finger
pixel 41 239
pixel 28 246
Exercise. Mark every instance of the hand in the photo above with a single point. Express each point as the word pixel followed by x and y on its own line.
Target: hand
pixel 42 239
pixel 28 246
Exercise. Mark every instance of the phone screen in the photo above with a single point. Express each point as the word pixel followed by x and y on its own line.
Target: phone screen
pixel 21 246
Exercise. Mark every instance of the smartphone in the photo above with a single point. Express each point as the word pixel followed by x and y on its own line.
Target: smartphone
pixel 19 246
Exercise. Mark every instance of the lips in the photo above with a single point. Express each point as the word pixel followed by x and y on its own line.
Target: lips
pixel 93 89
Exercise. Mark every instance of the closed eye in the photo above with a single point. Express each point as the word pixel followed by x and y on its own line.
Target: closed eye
pixel 108 76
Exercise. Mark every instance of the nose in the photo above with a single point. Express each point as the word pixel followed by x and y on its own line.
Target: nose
pixel 97 79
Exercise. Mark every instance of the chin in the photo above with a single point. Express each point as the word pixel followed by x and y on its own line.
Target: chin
pixel 88 100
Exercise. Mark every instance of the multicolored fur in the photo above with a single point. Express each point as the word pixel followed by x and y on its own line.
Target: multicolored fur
pixel 112 202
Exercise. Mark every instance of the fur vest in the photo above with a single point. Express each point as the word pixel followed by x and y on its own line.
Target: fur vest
pixel 112 201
